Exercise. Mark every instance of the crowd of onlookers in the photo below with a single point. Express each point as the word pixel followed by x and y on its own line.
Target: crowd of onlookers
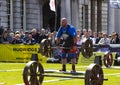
pixel 36 36
pixel 98 38
pixel 23 37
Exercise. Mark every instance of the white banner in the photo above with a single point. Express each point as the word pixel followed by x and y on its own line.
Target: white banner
pixel 115 4
pixel 52 5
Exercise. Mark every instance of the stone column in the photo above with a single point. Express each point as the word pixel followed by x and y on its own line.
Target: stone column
pixel 63 10
pixel 116 21
pixel 74 13
pixel 99 15
pixel 11 14
pixel 17 14
pixel 93 15
pixel 41 13
pixel 24 15
pixel 111 19
pixel 66 10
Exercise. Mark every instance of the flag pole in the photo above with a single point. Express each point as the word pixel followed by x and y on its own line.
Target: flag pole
pixel 53 7
pixel 108 26
pixel 55 15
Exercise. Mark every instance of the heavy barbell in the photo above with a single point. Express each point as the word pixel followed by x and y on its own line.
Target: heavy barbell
pixel 86 48
pixel 108 59
pixel 33 74
pixel 108 56
pixel 45 47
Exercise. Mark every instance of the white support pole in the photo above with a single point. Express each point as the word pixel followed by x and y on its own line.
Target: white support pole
pixel 74 13
pixel 11 14
pixel 111 19
pixel 63 10
pixel 68 10
pixel 24 15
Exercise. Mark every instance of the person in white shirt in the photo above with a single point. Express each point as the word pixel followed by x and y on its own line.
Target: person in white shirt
pixel 104 40
pixel 94 38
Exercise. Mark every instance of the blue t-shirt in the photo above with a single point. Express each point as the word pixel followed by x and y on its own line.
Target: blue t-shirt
pixel 67 35
pixel 70 30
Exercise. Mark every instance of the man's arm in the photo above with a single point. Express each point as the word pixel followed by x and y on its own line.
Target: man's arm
pixel 75 40
pixel 74 34
pixel 58 41
pixel 59 34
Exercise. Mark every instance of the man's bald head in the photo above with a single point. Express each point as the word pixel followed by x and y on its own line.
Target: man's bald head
pixel 63 22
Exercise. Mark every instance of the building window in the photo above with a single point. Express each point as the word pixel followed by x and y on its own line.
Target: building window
pixel 8 12
pixel 22 13
pixel 85 16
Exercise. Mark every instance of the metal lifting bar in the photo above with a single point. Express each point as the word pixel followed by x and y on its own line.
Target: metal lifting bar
pixel 75 77
pixel 63 76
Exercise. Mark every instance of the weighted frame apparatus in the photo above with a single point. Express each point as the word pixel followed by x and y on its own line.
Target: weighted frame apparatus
pixel 33 74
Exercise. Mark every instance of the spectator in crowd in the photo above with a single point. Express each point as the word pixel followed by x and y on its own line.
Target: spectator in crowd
pixel 10 38
pixel 79 42
pixel 4 39
pixel 12 35
pixel 69 34
pixel 94 38
pixel 49 35
pixel 99 36
pixel 8 30
pixel 86 36
pixel 42 35
pixel 49 40
pixel 35 35
pixel 30 40
pixel 117 38
pixel 26 35
pixel 22 34
pixel 84 31
pixel 17 32
pixel 104 40
pixel 110 37
pixel 17 39
pixel 90 33
pixel 78 33
pixel 114 38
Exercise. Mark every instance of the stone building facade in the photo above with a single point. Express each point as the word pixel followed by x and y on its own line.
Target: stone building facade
pixel 16 14
pixel 28 14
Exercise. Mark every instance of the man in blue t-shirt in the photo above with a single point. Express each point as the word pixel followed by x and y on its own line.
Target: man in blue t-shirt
pixel 69 37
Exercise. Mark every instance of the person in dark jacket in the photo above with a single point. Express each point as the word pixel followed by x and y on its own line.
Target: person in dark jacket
pixel 35 35
pixel 30 40
pixel 42 35
pixel 17 39
pixel 98 37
